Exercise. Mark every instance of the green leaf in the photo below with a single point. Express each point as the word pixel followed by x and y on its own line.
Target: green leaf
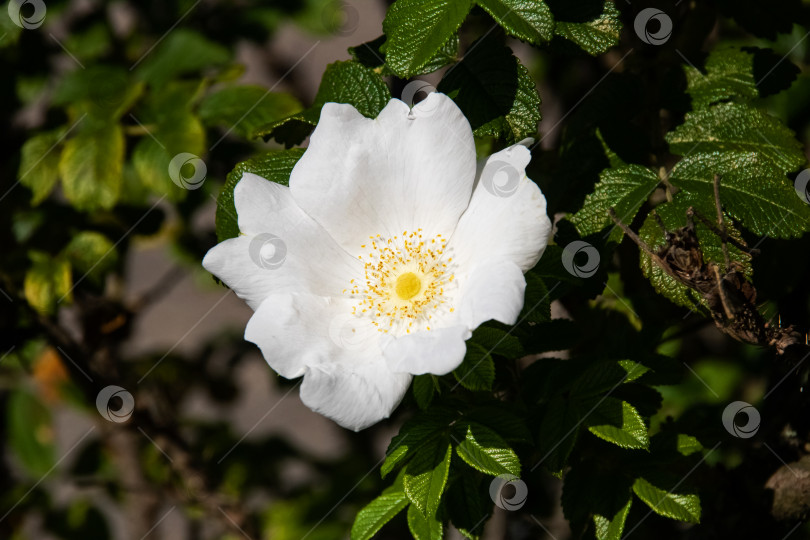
pixel 529 20
pixel 243 109
pixel 729 74
pixel 559 429
pixel 275 166
pixel 503 418
pixel 737 127
pixel 620 423
pixel 537 301
pixel 625 189
pixel 30 433
pixel 47 281
pixel 494 91
pixel 370 54
pixel 179 133
pixel 183 51
pixel 91 253
pixel 688 444
pixel 350 82
pixel 342 82
pixel 477 371
pixel 377 513
pixel 599 378
pixel 468 504
pixel 447 54
pixel 683 507
pixel 426 475
pixel 497 341
pixel 418 29
pixel 39 164
pixel 633 369
pixel 611 527
pixel 414 434
pixel 423 390
pixel 753 190
pixel 424 528
pixel 104 92
pixel 582 22
pixel 91 167
pixel 487 452
pixel 673 216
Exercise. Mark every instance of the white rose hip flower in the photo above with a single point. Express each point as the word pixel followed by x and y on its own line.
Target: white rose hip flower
pixel 389 247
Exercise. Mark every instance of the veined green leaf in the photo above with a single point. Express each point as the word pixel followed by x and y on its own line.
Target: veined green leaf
pixel 737 127
pixel 415 433
pixel 423 389
pixel 497 341
pixel 732 73
pixel 426 475
pixel 377 513
pixel 612 527
pixel 477 371
pixel 529 20
pixel 753 190
pixel 418 29
pixel 597 34
pixel 729 74
pixel 673 216
pixel 683 507
pixel 620 423
pixel 370 54
pixel 559 430
pixel 624 189
pixel 486 451
pixel 598 378
pixel 424 528
pixel 468 504
pixel 537 301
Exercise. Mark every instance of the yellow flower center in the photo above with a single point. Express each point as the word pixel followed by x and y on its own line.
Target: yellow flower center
pixel 408 285
pixel 404 282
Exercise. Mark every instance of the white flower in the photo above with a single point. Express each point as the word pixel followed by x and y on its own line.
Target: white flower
pixel 389 247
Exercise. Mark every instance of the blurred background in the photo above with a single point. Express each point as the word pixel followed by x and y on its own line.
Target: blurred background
pixel 101 283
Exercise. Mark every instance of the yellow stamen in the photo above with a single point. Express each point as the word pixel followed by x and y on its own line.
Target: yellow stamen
pixel 408 285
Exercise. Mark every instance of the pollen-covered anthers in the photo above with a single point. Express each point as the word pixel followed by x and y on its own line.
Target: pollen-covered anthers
pixel 405 282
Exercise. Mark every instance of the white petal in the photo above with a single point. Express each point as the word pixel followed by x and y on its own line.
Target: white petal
pixel 493 291
pixel 354 395
pixel 506 218
pixel 298 331
pixel 282 250
pixel 405 170
pixel 437 351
